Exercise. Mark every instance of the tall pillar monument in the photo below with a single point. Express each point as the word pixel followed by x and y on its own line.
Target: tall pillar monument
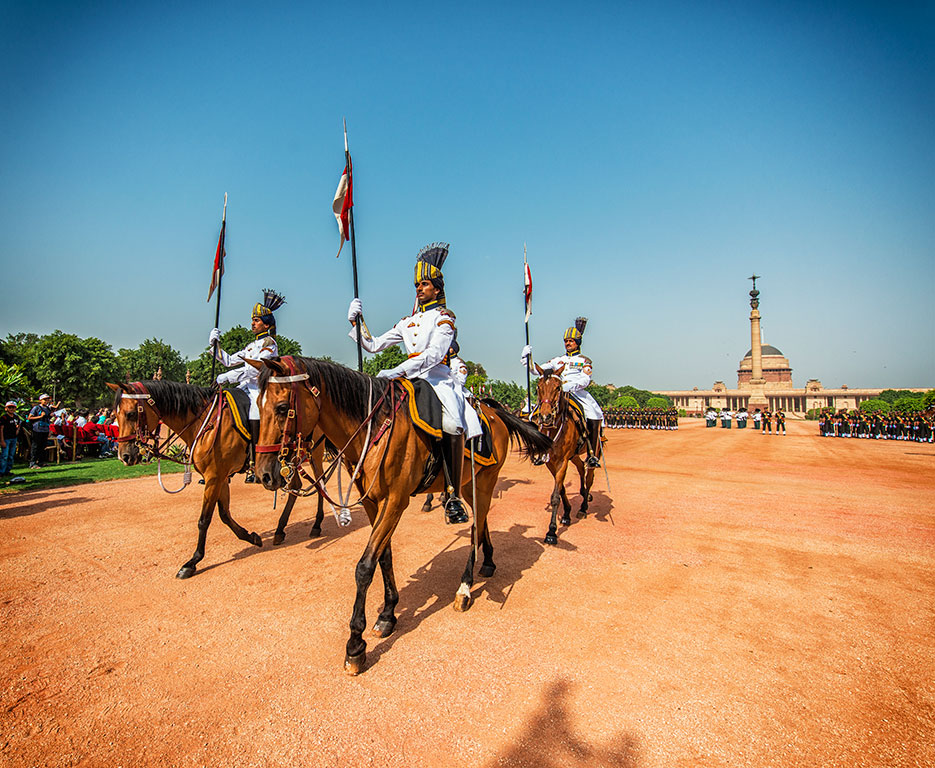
pixel 757 382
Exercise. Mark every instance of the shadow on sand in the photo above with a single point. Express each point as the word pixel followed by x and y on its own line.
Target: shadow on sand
pixel 548 739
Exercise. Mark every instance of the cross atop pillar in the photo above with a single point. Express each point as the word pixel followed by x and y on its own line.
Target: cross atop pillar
pixel 754 294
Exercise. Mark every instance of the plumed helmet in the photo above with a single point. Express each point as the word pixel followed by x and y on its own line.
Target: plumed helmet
pixel 576 332
pixel 271 302
pixel 429 264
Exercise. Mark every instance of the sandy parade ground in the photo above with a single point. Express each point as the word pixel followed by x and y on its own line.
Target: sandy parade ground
pixel 737 599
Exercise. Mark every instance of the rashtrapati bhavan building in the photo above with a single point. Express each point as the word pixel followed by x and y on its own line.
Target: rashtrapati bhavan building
pixel 764 381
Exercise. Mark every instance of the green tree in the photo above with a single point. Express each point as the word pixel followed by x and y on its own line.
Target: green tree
pixel 928 399
pixel 145 360
pixel 892 395
pixel 626 401
pixel 511 394
pixel 233 340
pixel 908 404
pixel 476 369
pixel 873 405
pixel 77 369
pixel 19 349
pixel 602 394
pixel 14 384
pixel 658 401
pixel 382 361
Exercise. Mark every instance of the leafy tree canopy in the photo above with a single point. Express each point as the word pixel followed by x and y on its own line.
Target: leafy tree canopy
pixel 658 401
pixel 908 404
pixel 873 405
pixel 892 395
pixel 381 361
pixel 928 399
pixel 626 401
pixel 143 362
pixel 76 369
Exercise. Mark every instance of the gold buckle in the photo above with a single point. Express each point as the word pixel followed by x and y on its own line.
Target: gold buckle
pixel 291 414
pixel 315 391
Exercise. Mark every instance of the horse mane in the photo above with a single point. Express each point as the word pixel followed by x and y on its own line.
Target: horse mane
pixel 348 390
pixel 173 397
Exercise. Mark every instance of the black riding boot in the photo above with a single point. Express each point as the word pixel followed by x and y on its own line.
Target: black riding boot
pixel 453 456
pixel 593 441
pixel 254 439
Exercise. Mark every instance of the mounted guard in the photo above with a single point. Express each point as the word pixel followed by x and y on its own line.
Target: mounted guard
pixel 263 346
pixel 427 336
pixel 575 372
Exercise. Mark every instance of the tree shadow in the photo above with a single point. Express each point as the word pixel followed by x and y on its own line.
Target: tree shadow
pixel 505 483
pixel 432 587
pixel 33 506
pixel 548 739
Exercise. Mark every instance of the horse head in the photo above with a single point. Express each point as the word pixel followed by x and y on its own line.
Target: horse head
pixel 289 413
pixel 548 398
pixel 135 418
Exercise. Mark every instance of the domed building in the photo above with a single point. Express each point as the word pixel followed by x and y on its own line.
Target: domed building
pixel 775 368
pixel 764 381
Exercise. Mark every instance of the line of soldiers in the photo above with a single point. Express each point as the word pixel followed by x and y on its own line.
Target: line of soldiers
pixel 917 427
pixel 641 418
pixel 762 420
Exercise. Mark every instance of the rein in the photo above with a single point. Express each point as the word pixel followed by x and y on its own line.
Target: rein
pixel 292 440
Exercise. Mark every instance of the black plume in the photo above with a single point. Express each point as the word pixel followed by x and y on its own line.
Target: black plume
pixel 272 300
pixel 581 323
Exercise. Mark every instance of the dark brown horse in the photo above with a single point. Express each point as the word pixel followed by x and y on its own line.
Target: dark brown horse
pixel 555 416
pixel 220 452
pixel 301 395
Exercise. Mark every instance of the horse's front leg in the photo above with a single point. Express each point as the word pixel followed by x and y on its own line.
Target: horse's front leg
pixel 224 511
pixel 584 472
pixel 386 621
pixel 280 536
pixel 318 460
pixel 559 472
pixel 480 534
pixel 208 501
pixel 427 506
pixel 383 527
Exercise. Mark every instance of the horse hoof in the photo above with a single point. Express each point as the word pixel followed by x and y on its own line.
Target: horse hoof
pixel 590 497
pixel 462 602
pixel 354 665
pixel 185 572
pixel 487 570
pixel 551 538
pixel 426 507
pixel 566 520
pixel 581 513
pixel 278 538
pixel 384 628
pixel 256 540
pixel 314 533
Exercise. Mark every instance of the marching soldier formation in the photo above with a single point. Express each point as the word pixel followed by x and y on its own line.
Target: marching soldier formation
pixel 916 427
pixel 641 418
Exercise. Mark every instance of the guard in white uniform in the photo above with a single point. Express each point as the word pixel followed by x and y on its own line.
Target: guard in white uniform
pixel 263 324
pixel 575 370
pixel 427 336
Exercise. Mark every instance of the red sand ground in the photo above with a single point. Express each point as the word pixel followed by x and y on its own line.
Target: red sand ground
pixel 736 600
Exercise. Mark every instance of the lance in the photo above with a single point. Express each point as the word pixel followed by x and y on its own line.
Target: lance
pixel 350 219
pixel 217 306
pixel 526 308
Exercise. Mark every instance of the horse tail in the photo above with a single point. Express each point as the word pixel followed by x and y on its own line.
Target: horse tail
pixel 530 440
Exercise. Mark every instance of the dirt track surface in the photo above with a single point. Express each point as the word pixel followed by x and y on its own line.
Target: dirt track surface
pixel 737 600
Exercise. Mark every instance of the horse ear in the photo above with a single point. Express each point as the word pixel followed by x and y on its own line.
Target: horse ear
pixel 258 364
pixel 274 365
pixel 539 369
pixel 558 369
pixel 113 387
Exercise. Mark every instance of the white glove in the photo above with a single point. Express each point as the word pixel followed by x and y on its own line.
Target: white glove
pixel 526 353
pixel 388 374
pixel 354 310
pixel 228 377
pixel 214 336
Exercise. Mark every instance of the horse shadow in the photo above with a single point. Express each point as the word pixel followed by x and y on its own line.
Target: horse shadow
pixel 432 587
pixel 505 483
pixel 548 739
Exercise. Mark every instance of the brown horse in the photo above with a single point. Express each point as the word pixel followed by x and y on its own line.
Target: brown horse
pixel 220 452
pixel 554 416
pixel 302 395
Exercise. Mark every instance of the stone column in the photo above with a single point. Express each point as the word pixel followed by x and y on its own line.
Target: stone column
pixel 756 345
pixel 757 382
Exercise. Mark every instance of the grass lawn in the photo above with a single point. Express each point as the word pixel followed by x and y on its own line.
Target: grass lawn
pixel 88 470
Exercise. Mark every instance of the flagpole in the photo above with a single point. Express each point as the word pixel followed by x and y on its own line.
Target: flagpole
pixel 217 306
pixel 528 359
pixel 350 219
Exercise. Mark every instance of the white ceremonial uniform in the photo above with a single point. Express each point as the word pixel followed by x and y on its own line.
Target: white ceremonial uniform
pixel 576 375
pixel 459 371
pixel 426 337
pixel 246 377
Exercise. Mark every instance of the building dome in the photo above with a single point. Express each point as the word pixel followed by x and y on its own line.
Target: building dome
pixel 767 349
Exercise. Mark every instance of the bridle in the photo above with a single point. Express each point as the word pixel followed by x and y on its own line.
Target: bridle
pixel 558 407
pixel 301 447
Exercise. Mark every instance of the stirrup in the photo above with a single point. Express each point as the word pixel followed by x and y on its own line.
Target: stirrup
pixel 540 459
pixel 454 511
pixel 593 462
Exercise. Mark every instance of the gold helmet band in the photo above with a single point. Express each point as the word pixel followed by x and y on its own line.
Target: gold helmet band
pixel 426 271
pixel 574 334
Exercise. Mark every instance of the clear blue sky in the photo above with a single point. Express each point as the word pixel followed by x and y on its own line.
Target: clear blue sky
pixel 652 156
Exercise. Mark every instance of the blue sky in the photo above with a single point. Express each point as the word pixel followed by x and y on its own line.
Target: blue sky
pixel 650 155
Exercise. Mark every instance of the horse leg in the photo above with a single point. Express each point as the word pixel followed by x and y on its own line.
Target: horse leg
pixel 318 458
pixel 586 482
pixel 280 536
pixel 481 506
pixel 224 511
pixel 208 502
pixel 386 621
pixel 427 507
pixel 551 537
pixel 380 535
pixel 319 516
